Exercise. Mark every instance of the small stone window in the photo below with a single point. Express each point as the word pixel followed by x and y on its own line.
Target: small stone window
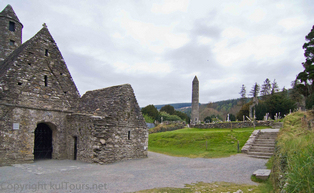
pixel 46 52
pixel 46 80
pixel 129 135
pixel 19 83
pixel 12 43
pixel 29 64
pixel 11 26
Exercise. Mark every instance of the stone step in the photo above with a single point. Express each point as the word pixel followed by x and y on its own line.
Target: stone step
pixel 267 140
pixel 267 134
pixel 260 156
pixel 264 142
pixel 262 150
pixel 263 146
pixel 260 153
pixel 267 137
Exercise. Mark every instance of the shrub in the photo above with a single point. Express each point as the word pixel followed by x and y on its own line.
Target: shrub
pixel 167 117
pixel 164 127
pixel 148 119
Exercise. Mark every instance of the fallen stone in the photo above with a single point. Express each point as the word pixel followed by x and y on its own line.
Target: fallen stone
pixel 262 174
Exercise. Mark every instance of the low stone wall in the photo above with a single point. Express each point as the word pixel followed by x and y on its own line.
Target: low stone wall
pixel 242 124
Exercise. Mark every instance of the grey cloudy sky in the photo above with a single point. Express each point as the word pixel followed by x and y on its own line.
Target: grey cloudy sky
pixel 158 46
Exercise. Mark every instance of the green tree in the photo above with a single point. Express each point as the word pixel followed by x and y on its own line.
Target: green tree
pixel 274 87
pixel 183 116
pixel 244 111
pixel 232 117
pixel 261 110
pixel 167 117
pixel 168 109
pixel 306 87
pixel 278 103
pixel 151 111
pixel 266 88
pixel 148 119
pixel 275 103
pixel 295 95
pixel 255 90
pixel 243 94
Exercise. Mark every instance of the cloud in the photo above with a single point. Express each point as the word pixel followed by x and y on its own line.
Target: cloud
pixel 167 7
pixel 159 46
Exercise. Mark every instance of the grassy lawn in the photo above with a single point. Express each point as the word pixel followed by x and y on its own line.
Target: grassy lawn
pixel 191 142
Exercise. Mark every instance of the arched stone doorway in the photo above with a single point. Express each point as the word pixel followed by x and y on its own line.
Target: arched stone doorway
pixel 43 142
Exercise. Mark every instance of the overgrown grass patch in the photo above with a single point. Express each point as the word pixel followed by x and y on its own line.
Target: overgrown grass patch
pixel 191 142
pixel 207 187
pixel 293 164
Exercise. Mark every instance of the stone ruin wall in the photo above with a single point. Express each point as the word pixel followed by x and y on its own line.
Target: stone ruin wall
pixel 119 131
pixel 119 134
pixel 82 127
pixel 17 145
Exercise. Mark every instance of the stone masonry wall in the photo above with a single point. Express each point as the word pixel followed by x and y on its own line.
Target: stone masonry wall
pixel 17 145
pixel 82 127
pixel 121 132
pixel 234 124
pixel 6 16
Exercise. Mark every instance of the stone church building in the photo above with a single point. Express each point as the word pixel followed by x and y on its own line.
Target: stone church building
pixel 42 114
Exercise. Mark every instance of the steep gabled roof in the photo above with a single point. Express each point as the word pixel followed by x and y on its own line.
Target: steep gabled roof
pixel 9 12
pixel 29 62
pixel 8 61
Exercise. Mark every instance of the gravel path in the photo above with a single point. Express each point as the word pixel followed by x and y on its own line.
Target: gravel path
pixel 157 170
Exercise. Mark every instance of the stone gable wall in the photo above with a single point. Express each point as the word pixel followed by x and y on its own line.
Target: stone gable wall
pixel 36 80
pixel 121 132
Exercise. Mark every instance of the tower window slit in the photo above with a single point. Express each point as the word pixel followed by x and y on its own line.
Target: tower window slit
pixel 11 26
pixel 129 135
pixel 46 80
pixel 46 52
pixel 12 43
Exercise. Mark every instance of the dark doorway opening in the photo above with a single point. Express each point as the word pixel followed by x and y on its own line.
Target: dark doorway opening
pixel 75 148
pixel 43 142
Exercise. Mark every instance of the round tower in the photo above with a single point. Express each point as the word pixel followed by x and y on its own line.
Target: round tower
pixel 10 32
pixel 195 102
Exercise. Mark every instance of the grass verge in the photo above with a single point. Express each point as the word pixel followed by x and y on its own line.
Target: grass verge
pixel 207 187
pixel 293 164
pixel 191 142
